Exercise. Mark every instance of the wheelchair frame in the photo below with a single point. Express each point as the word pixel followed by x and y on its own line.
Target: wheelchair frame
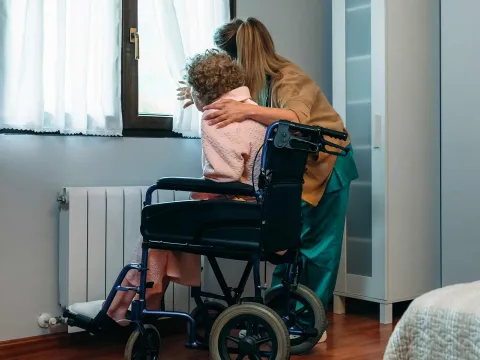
pixel 138 310
pixel 291 278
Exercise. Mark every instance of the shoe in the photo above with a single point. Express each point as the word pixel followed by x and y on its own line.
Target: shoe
pixel 323 338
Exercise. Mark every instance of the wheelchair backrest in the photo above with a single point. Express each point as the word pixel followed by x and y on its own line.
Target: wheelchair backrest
pixel 284 161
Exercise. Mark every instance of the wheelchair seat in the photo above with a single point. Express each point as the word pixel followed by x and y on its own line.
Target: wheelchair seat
pixel 220 228
pixel 238 229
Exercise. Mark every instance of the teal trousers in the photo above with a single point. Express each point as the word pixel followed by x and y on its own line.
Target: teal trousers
pixel 322 233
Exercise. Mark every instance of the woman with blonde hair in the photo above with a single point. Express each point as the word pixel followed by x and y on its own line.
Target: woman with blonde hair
pixel 286 92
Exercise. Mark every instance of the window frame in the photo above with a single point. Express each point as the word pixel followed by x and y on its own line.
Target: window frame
pixel 134 124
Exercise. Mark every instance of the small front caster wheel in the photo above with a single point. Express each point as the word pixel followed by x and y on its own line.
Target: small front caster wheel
pixel 143 347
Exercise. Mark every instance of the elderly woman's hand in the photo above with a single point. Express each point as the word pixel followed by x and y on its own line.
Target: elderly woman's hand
pixel 184 93
pixel 228 112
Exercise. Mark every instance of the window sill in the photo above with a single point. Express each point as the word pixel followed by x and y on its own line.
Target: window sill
pixel 150 133
pixel 127 133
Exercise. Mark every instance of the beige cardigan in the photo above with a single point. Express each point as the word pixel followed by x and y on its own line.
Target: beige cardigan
pixel 296 91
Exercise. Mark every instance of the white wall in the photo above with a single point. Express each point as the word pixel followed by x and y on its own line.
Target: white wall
pixel 460 78
pixel 302 32
pixel 33 169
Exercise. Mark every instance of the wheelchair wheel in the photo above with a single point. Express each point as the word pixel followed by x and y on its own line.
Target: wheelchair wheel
pixel 146 347
pixel 305 311
pixel 266 334
pixel 204 316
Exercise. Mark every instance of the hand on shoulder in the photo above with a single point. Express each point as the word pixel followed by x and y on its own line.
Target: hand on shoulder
pixel 227 112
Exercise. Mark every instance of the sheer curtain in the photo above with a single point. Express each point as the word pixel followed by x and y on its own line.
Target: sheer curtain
pixel 187 27
pixel 60 66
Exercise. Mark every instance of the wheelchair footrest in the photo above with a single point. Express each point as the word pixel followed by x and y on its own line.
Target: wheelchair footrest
pixel 101 323
pixel 78 320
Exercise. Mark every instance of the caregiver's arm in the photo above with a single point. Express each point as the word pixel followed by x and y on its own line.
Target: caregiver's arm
pixel 268 116
pixel 230 111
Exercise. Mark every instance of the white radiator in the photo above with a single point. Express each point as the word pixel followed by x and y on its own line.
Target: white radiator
pixel 98 230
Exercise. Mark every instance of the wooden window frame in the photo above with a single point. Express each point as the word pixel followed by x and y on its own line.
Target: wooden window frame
pixel 134 124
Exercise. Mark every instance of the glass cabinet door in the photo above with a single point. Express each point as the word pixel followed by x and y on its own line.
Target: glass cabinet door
pixel 359 75
pixel 358 115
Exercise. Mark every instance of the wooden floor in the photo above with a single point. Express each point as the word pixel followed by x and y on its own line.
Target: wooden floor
pixel 350 337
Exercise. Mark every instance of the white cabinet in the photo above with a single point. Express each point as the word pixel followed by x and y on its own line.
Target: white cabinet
pixel 386 86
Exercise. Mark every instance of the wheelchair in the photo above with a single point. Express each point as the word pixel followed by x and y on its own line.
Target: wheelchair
pixel 283 320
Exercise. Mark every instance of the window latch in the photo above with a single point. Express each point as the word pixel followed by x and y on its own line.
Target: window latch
pixel 135 39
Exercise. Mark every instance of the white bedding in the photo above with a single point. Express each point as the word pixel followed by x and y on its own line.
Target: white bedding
pixel 442 324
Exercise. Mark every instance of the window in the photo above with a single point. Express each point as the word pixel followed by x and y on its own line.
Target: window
pixel 157 36
pixel 60 64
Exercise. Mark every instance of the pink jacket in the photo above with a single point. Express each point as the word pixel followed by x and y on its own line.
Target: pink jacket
pixel 229 153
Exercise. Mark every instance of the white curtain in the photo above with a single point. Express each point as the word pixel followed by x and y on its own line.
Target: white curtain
pixel 187 27
pixel 60 66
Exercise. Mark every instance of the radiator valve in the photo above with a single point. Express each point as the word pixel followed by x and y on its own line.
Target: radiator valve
pixel 46 320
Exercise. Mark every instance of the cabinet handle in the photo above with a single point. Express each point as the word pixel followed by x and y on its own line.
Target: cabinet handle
pixel 377 134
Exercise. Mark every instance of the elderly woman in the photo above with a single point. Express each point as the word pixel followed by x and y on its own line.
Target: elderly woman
pixel 229 155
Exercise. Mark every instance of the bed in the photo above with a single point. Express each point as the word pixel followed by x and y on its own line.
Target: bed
pixel 442 324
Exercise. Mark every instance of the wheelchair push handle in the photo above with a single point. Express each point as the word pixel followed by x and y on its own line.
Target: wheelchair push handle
pixel 316 129
pixel 334 134
pixel 294 136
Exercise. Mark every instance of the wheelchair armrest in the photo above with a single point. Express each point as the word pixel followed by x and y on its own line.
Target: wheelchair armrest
pixel 205 186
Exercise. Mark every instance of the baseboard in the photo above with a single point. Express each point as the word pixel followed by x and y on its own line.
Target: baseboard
pixel 13 349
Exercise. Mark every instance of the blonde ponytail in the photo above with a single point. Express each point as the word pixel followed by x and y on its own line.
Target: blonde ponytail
pixel 255 53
